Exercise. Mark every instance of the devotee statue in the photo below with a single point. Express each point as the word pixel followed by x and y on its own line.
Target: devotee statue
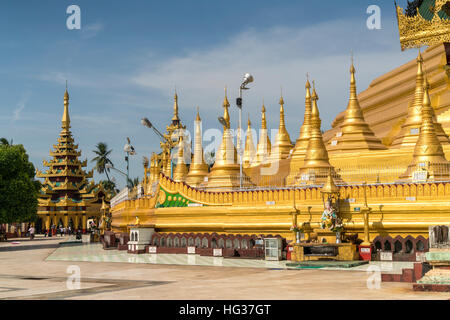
pixel 329 216
pixel 330 220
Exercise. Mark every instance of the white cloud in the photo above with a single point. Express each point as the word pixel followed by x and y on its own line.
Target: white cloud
pixel 91 30
pixel 20 107
pixel 279 56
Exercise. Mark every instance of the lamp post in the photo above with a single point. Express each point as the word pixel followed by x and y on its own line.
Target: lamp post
pixel 110 166
pixel 129 150
pixel 248 78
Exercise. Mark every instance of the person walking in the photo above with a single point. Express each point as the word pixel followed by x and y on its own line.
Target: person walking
pixel 31 231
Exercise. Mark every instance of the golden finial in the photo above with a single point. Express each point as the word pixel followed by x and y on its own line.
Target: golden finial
pixel 249 122
pixel 66 117
pixel 281 97
pixel 314 93
pixel 225 100
pixel 198 114
pixel 308 85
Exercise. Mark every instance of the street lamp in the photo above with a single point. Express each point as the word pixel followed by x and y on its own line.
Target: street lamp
pixel 110 166
pixel 129 150
pixel 223 121
pixel 248 78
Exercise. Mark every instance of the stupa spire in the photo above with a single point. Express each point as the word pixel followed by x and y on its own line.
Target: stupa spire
pixel 66 117
pixel 283 145
pixel 316 164
pixel 302 141
pixel 180 172
pixel 175 118
pixel 264 145
pixel 225 172
pixel 409 133
pixel 428 158
pixel 355 134
pixel 198 168
pixel 250 151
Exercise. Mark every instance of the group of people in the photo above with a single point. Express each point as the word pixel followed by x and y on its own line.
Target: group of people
pixel 61 231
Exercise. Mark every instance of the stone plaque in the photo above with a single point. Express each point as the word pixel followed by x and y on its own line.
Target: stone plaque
pixel 270 203
pixel 365 250
pixel 152 249
pixel 191 250
pixel 421 257
pixel 410 198
pixel 386 256
pixel 414 131
pixel 195 204
pixel 420 176
pixel 334 143
pixel 217 252
pixel 339 134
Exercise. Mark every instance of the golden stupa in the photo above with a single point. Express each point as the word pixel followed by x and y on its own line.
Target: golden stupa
pixel 283 145
pixel 377 165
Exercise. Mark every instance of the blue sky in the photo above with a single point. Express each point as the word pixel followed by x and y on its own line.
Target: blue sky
pixel 128 57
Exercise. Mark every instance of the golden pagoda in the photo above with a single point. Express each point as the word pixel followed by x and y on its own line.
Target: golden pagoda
pixel 264 146
pixel 250 151
pixel 429 162
pixel 198 169
pixel 409 133
pixel 299 151
pixel 305 131
pixel 225 173
pixel 67 196
pixel 171 139
pixel 355 134
pixel 316 164
pixel 283 145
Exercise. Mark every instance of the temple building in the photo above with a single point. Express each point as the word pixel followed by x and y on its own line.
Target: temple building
pixel 68 197
pixel 381 171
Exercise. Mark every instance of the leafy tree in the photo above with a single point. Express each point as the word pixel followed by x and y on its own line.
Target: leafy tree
pixel 134 183
pixel 102 158
pixel 5 142
pixel 18 187
pixel 109 187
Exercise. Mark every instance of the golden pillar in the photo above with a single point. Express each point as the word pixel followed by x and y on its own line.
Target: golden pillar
pixel 47 221
pixel 83 222
pixel 66 220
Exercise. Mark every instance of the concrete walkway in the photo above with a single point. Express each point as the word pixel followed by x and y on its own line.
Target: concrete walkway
pixel 34 274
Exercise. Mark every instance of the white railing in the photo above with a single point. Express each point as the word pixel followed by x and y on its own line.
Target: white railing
pixel 120 197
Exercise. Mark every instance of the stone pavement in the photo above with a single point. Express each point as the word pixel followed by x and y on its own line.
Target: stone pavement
pixel 34 274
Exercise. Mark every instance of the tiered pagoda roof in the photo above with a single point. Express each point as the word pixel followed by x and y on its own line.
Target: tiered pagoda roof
pixel 66 185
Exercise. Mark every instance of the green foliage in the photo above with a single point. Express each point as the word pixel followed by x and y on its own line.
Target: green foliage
pixel 18 188
pixel 102 158
pixel 109 187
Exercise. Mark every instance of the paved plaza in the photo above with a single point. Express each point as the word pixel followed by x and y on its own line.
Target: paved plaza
pixel 42 273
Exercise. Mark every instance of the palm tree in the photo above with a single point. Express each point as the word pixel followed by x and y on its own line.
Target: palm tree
pixel 102 159
pixel 5 142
